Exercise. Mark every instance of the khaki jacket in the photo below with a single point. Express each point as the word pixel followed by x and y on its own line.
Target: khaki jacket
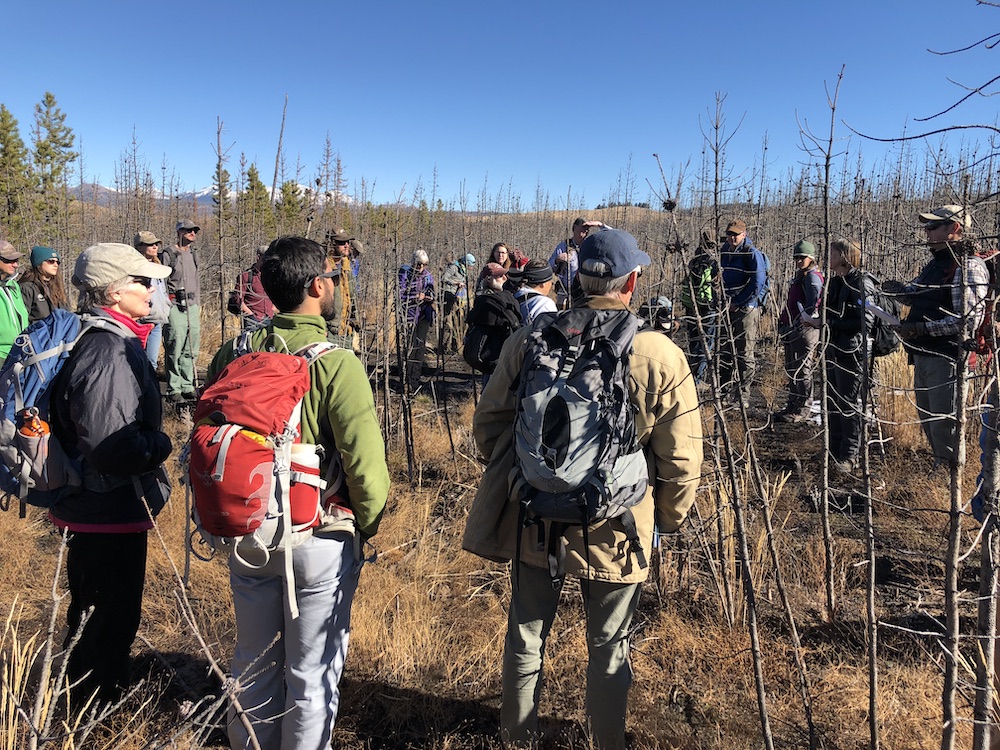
pixel 669 427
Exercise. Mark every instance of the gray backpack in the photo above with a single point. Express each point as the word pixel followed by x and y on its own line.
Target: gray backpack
pixel 577 457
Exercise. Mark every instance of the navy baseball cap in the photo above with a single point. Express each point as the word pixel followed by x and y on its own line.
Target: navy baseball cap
pixel 610 253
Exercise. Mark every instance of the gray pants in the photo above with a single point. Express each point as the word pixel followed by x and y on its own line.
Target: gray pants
pixel 291 692
pixel 934 386
pixel 800 361
pixel 737 344
pixel 609 609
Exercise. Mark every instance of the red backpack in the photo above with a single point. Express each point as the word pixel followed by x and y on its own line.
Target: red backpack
pixel 257 488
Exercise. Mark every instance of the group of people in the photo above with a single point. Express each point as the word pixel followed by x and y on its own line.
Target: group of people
pixel 107 413
pixel 723 300
pixel 511 290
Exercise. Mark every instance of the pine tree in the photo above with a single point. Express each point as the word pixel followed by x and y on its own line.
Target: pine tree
pixel 253 209
pixel 290 207
pixel 53 143
pixel 16 179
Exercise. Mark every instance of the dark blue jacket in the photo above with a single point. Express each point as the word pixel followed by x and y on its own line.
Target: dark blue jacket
pixel 743 274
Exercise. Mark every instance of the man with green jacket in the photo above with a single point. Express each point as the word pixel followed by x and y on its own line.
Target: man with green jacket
pixel 294 703
pixel 13 315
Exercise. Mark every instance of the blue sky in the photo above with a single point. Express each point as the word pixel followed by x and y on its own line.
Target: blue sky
pixel 553 94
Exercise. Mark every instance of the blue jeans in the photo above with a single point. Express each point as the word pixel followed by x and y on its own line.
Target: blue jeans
pixel 153 342
pixel 293 705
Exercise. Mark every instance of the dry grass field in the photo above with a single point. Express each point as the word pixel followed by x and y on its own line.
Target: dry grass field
pixel 429 619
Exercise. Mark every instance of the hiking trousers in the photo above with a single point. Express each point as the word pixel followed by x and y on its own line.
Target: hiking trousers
pixel 106 572
pixel 609 608
pixel 293 704
pixel 934 392
pixel 800 361
pixel 181 340
pixel 737 350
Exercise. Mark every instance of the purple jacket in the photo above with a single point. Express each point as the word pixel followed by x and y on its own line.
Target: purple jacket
pixel 412 284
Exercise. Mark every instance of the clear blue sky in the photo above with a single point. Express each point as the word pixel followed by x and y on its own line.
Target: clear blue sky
pixel 557 94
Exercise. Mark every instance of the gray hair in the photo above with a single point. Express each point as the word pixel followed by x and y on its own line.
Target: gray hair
pixel 492 283
pixel 102 296
pixel 597 286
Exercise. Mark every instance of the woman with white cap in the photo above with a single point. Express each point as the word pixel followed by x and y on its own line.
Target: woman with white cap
pixel 107 414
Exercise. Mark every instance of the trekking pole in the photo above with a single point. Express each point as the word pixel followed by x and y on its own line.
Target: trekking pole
pixel 186 579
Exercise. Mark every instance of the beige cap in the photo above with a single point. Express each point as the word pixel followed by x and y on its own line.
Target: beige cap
pixel 7 250
pixel 102 265
pixel 950 212
pixel 146 238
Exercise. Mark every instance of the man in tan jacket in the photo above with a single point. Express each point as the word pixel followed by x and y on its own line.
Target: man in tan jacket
pixel 668 425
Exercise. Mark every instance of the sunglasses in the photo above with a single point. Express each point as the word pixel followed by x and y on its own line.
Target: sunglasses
pixel 345 242
pixel 145 281
pixel 190 231
pixel 332 274
pixel 51 260
pixel 930 226
pixel 9 260
pixel 420 265
pixel 733 234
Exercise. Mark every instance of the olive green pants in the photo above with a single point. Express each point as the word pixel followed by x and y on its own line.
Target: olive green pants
pixel 609 608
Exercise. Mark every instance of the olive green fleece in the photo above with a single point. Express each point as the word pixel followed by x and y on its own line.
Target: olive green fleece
pixel 341 393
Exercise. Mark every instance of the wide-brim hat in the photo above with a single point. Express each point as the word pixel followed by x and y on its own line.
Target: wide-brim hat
pixel 101 265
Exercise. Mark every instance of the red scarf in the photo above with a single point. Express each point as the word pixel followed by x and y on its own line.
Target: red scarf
pixel 141 330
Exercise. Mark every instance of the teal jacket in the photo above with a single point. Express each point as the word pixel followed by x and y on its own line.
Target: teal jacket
pixel 338 412
pixel 13 315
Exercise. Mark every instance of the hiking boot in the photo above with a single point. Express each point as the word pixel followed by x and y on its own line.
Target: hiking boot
pixel 847 466
pixel 800 417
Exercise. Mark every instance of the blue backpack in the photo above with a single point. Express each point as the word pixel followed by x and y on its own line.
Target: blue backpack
pixel 765 291
pixel 33 465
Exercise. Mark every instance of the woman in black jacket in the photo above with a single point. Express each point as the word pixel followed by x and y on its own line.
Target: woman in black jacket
pixel 106 413
pixel 847 350
pixel 42 287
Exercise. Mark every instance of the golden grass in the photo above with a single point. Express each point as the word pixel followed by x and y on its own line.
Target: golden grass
pixel 429 619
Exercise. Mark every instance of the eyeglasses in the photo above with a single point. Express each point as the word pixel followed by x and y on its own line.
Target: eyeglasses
pixel 331 274
pixel 145 281
pixel 930 226
pixel 9 260
pixel 51 260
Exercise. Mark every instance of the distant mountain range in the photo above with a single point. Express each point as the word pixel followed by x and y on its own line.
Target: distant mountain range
pixel 92 192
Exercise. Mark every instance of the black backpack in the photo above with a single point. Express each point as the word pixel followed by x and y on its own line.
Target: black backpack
pixel 885 339
pixel 493 317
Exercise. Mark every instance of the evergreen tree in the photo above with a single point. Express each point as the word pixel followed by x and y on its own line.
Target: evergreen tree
pixel 253 209
pixel 53 143
pixel 16 179
pixel 291 207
